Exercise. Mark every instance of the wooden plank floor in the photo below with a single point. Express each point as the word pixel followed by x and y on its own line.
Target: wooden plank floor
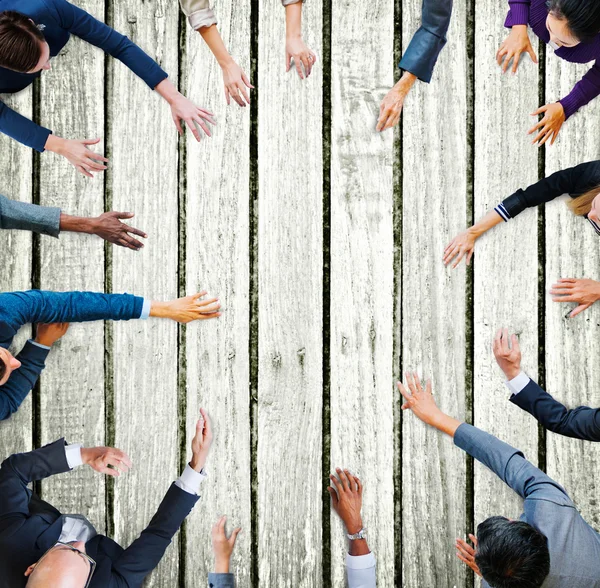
pixel 323 240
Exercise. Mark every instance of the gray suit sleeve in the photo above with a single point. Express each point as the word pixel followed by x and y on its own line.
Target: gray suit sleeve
pixel 199 13
pixel 29 217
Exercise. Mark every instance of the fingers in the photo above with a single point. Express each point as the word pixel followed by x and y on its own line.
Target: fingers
pixel 405 393
pixel 579 309
pixel 532 54
pixel 337 484
pixel 234 535
pixel 298 62
pixel 91 141
pixel 516 60
pixel 473 539
pixel 135 231
pixel 334 496
pixel 207 424
pixel 227 97
pixel 504 341
pixel 509 56
pixel 130 242
pixel 515 343
pixel 246 81
pixel 83 171
pixel 193 128
pixel 306 63
pixel 288 62
pixel 344 478
pixel 178 125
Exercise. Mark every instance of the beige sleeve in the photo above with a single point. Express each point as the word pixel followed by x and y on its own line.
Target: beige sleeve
pixel 199 13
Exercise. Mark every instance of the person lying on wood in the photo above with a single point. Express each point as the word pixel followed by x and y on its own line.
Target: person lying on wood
pixel 549 545
pixel 418 60
pixel 572 29
pixel 32 32
pixel 346 499
pixel 18 374
pixel 222 548
pixel 41 547
pixel 50 220
pixel 582 183
pixel 580 423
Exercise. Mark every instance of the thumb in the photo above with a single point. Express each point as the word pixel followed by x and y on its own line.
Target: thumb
pixel 579 309
pixel 288 61
pixel 532 54
pixel 234 535
pixel 124 214
pixel 334 496
pixel 91 141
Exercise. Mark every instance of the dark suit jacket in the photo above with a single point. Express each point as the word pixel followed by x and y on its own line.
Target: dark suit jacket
pixel 581 422
pixel 29 526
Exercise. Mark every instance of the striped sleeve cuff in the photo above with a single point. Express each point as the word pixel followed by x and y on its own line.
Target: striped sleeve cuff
pixel 501 210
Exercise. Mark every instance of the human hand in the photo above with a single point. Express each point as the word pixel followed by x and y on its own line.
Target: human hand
pixel 187 309
pixel 184 109
pixel 109 227
pixel 585 292
pixel 463 244
pixel 222 545
pixel 303 56
pixel 48 334
pixel 513 46
pixel 507 356
pixel 106 460
pixel 390 108
pixel 347 501
pixel 549 125
pixel 466 553
pixel 420 401
pixel 201 442
pixel 77 152
pixel 236 82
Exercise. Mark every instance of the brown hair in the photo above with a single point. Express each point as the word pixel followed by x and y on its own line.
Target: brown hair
pixel 2 368
pixel 581 205
pixel 19 42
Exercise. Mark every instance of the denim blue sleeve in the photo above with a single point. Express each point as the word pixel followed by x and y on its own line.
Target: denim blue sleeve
pixel 23 379
pixel 425 46
pixel 510 465
pixel 221 580
pixel 78 22
pixel 22 129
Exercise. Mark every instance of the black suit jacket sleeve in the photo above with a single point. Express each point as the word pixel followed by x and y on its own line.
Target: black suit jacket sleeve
pixel 22 380
pixel 574 181
pixel 144 554
pixel 581 422
pixel 22 468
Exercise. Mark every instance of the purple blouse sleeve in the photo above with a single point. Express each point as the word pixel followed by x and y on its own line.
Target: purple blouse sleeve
pixel 585 90
pixel 518 13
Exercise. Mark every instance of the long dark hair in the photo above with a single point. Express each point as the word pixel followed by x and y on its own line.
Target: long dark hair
pixel 582 16
pixel 20 39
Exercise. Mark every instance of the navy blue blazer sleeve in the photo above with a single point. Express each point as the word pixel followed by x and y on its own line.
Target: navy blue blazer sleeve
pixel 41 306
pixel 29 217
pixel 580 423
pixel 22 380
pixel 22 468
pixel 84 25
pixel 510 465
pixel 144 554
pixel 574 181
pixel 425 46
pixel 22 129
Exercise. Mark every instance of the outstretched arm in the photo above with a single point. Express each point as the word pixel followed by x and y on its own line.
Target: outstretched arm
pixel 22 129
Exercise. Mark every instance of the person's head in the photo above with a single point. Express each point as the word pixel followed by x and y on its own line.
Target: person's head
pixel 511 554
pixel 62 566
pixel 23 47
pixel 571 22
pixel 587 204
pixel 8 363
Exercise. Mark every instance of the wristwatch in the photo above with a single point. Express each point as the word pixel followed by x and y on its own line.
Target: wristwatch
pixel 362 534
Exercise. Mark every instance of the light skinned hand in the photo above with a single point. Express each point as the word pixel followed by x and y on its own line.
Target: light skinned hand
pixel 391 106
pixel 513 46
pixel 466 553
pixel 109 227
pixel 462 245
pixel 48 334
pixel 346 498
pixel 507 353
pixel 419 401
pixel 550 124
pixel 106 460
pixel 183 109
pixel 303 57
pixel 223 545
pixel 236 83
pixel 202 441
pixel 194 307
pixel 78 153
pixel 584 292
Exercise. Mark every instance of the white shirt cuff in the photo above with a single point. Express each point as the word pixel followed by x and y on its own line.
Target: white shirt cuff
pixel 73 453
pixel 190 480
pixel 518 383
pixel 38 344
pixel 360 562
pixel 146 308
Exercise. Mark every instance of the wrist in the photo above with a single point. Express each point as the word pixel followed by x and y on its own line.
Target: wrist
pixel 222 565
pixel 54 144
pixel 597 290
pixel 197 463
pixel 85 455
pixel 159 309
pixel 167 90
pixel 475 232
pixel 354 526
pixel 512 372
pixel 77 224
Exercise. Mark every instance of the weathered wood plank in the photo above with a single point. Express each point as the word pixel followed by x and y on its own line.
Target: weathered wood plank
pixel 362 299
pixel 217 244
pixel 505 275
pixel 16 254
pixel 143 179
pixel 434 206
pixel 290 253
pixel 72 386
pixel 572 252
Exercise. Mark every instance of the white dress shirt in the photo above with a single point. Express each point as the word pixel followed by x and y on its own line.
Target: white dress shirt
pixel 361 571
pixel 518 383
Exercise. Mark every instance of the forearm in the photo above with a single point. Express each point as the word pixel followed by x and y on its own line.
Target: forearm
pixel 358 547
pixel 167 90
pixel 215 43
pixel 76 224
pixel 484 224
pixel 22 129
pixel 444 423
pixel 293 20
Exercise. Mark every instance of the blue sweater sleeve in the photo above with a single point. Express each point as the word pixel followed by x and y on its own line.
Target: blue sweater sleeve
pixel 221 580
pixel 22 380
pixel 425 46
pixel 22 129
pixel 40 306
pixel 84 25
pixel 510 465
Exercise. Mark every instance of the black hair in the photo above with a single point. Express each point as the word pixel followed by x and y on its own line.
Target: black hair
pixel 511 554
pixel 2 368
pixel 582 16
pixel 20 42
